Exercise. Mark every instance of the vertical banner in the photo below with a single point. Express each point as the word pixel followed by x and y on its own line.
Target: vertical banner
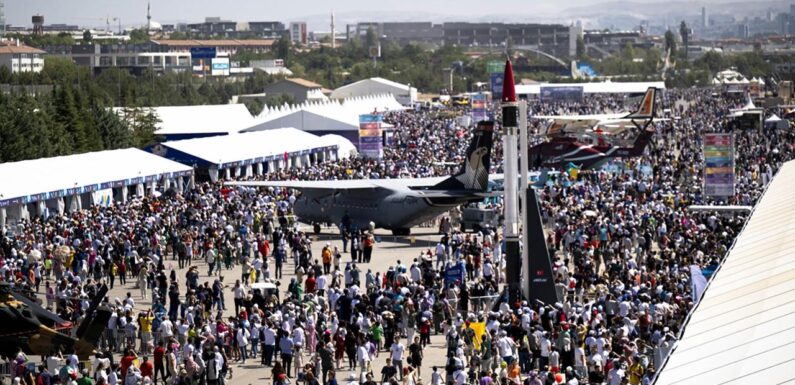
pixel 371 143
pixel 719 165
pixel 479 112
pixel 496 85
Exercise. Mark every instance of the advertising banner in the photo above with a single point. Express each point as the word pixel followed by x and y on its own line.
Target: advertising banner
pixel 496 85
pixel 561 93
pixel 371 142
pixel 719 165
pixel 479 112
pixel 495 67
pixel 220 66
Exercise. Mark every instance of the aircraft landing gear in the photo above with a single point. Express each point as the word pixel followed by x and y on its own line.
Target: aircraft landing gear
pixel 316 228
pixel 401 232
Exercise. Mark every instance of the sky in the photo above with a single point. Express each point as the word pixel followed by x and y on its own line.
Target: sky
pixel 133 12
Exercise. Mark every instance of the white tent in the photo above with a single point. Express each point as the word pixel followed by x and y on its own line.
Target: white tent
pixel 404 93
pixel 246 154
pixel 777 123
pixel 181 122
pixel 345 149
pixel 48 180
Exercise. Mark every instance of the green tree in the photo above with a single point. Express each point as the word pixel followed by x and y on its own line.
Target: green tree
pixel 670 42
pixel 87 38
pixel 282 47
pixel 684 32
pixel 254 106
pixel 138 36
pixel 580 48
pixel 629 52
pixel 371 38
pixel 114 131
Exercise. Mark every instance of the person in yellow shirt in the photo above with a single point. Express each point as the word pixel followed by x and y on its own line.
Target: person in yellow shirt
pixel 145 321
pixel 636 371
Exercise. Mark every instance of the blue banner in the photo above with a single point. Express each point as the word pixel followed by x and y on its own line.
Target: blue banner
pixel 455 274
pixel 496 85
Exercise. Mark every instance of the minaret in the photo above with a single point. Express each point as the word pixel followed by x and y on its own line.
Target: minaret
pixel 148 16
pixel 333 32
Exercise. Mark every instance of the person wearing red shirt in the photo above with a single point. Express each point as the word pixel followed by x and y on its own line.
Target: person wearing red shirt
pixel 127 361
pixel 310 283
pixel 147 369
pixel 160 353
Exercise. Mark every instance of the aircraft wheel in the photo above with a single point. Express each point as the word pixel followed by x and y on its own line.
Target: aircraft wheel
pixel 316 228
pixel 401 232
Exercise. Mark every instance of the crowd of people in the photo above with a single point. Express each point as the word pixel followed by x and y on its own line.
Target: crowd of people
pixel 621 242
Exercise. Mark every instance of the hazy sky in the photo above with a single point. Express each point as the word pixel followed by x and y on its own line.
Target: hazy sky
pixel 133 12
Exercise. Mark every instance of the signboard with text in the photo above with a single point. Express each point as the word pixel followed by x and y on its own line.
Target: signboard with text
pixel 561 93
pixel 371 142
pixel 719 175
pixel 479 112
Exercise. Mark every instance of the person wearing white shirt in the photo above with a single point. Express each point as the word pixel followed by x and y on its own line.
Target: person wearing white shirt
pixel 320 284
pixel 298 345
pixel 506 345
pixel 396 352
pixel 363 356
pixel 460 377
pixel 416 274
pixel 268 344
pixel 166 329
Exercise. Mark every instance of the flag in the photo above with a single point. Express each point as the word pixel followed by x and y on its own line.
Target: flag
pixel 573 170
pixel 480 330
pixel 699 282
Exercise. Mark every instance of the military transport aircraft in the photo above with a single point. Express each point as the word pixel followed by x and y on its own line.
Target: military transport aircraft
pixel 395 204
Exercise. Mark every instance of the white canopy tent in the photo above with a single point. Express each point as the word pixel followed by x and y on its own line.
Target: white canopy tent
pixel 185 122
pixel 404 93
pixel 247 154
pixel 71 182
pixel 775 122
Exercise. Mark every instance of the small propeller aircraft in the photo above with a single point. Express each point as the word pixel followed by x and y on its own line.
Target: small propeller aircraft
pixel 588 141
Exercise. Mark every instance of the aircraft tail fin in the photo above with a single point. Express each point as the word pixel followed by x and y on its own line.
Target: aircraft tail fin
pixel 474 174
pixel 646 109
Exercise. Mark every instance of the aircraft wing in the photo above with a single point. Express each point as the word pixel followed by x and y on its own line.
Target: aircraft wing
pixel 314 188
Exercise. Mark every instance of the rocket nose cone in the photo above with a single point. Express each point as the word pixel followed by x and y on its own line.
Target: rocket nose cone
pixel 508 88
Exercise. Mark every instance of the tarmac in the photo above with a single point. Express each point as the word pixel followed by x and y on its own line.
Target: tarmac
pixel 388 250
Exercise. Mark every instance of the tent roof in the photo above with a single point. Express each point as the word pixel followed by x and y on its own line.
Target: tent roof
pixel 92 169
pixel 742 331
pixel 607 87
pixel 773 118
pixel 321 116
pixel 248 146
pixel 369 86
pixel 201 119
pixel 344 146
